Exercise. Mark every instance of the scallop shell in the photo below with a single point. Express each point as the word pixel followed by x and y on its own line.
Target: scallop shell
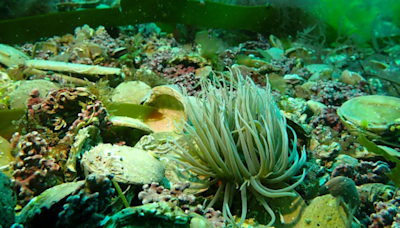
pixel 169 102
pixel 11 56
pixel 47 199
pixel 128 165
pixel 378 111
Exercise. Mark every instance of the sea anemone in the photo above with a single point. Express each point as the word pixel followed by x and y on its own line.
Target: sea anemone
pixel 237 137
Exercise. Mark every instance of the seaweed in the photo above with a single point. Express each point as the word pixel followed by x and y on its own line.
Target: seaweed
pixel 256 19
pixel 7 128
pixel 394 174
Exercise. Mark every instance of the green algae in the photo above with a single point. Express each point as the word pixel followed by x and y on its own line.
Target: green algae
pixel 131 110
pixel 371 146
pixel 8 116
pixel 157 214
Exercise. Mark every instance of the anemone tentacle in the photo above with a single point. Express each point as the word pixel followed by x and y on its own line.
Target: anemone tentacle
pixel 238 137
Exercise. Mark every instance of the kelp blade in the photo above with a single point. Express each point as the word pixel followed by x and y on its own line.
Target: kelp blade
pixel 211 14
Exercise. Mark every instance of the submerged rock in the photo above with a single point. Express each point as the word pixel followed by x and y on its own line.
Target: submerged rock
pixel 326 211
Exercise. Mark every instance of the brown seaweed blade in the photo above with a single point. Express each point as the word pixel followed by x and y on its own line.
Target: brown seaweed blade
pixel 256 19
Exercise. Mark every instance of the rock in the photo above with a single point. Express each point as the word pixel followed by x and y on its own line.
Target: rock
pixel 326 211
pixel 328 152
pixel 345 189
pixel 319 72
pixel 342 159
pixel 375 192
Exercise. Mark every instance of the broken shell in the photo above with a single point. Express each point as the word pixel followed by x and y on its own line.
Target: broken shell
pixel 203 72
pixel 275 42
pixel 293 78
pixel 256 63
pixel 345 49
pixel 57 77
pixel 70 6
pixel 11 56
pixel 301 92
pixel 273 53
pixel 160 146
pixel 4 76
pixel 169 102
pixel 126 129
pixel 298 52
pixel 157 143
pixel 73 67
pixel 119 52
pixel 327 152
pixel 67 38
pixel 45 47
pixel 379 65
pixel 315 106
pixel 319 71
pixel 249 72
pixel 351 78
pixel 190 59
pixel 87 136
pixel 127 164
pixel 308 85
pixel 123 121
pixel 88 50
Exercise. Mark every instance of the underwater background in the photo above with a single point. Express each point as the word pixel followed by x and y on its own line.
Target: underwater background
pixel 200 113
